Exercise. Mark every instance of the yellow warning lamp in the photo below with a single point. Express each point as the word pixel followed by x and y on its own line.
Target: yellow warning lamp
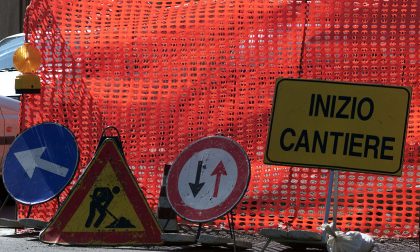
pixel 27 60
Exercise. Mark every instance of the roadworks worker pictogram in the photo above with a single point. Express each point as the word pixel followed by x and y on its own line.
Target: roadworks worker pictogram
pixel 101 198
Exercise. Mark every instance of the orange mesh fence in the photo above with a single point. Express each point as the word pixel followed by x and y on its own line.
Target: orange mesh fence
pixel 167 73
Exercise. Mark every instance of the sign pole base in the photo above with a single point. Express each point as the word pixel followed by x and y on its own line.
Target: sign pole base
pixel 328 203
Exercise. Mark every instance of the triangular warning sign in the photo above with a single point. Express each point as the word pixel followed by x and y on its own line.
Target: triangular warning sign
pixel 105 207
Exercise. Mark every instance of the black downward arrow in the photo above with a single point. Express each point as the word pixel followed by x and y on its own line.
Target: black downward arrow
pixel 196 186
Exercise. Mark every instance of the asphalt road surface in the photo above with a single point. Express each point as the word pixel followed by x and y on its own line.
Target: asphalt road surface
pixel 12 241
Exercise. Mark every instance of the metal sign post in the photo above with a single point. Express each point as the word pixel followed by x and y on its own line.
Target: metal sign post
pixel 335 206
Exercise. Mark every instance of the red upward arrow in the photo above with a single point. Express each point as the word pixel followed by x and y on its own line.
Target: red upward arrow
pixel 218 171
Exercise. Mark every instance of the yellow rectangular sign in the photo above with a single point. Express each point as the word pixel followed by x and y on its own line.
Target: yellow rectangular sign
pixel 354 127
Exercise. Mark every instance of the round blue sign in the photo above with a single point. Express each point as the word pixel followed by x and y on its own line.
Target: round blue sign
pixel 40 163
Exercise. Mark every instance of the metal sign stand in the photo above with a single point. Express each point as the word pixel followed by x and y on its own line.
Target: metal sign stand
pixel 4 202
pixel 28 214
pixel 232 229
pixel 328 203
pixel 200 226
pixel 275 235
pixel 335 206
pixel 58 201
pixel 211 240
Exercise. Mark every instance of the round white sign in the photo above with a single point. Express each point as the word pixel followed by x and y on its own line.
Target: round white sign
pixel 208 179
pixel 216 170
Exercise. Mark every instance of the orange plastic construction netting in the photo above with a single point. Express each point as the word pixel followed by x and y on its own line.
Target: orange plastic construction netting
pixel 167 73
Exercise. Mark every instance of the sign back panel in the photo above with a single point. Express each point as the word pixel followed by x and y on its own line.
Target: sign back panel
pixel 335 125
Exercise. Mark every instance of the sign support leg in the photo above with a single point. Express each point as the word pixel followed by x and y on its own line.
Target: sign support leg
pixel 5 201
pixel 232 229
pixel 335 206
pixel 29 211
pixel 200 225
pixel 58 201
pixel 328 203
pixel 266 245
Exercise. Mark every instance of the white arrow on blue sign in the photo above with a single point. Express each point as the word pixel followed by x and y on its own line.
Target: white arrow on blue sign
pixel 40 163
pixel 31 159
